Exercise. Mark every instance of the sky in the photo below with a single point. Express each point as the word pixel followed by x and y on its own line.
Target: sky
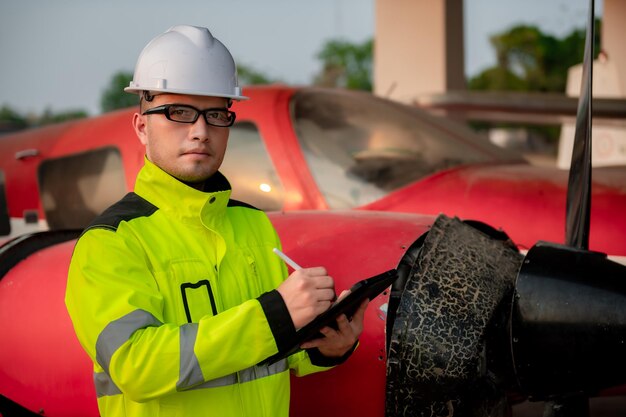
pixel 61 54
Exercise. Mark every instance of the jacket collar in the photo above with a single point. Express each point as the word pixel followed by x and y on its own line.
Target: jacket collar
pixel 182 201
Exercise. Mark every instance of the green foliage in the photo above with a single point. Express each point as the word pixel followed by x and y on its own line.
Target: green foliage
pixel 48 117
pixel 498 79
pixel 530 60
pixel 346 65
pixel 250 76
pixel 11 119
pixel 114 96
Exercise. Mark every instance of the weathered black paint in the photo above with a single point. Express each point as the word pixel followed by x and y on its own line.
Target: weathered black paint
pixel 452 317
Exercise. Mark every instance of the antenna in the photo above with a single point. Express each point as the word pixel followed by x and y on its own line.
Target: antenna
pixel 578 209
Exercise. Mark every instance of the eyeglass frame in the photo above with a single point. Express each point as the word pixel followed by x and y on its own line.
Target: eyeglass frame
pixel 164 109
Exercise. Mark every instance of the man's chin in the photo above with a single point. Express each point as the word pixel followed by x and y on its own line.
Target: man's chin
pixel 192 177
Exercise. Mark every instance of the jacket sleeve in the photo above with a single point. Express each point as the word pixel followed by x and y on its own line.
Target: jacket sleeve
pixel 117 311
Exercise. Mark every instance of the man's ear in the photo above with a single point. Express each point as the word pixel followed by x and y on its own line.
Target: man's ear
pixel 141 127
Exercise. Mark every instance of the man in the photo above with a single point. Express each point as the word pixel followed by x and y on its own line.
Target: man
pixel 174 291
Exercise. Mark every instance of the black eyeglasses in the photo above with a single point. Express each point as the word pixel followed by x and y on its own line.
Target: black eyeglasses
pixel 183 113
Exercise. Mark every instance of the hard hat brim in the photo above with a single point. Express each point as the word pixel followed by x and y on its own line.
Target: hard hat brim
pixel 136 90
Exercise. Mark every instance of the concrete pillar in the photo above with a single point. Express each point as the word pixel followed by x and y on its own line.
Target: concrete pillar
pixel 418 48
pixel 613 35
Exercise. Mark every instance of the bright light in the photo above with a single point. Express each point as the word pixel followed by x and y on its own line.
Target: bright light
pixel 265 188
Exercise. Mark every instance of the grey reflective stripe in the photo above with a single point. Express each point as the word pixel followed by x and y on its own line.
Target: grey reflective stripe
pixel 116 333
pixel 218 382
pixel 190 373
pixel 104 385
pixel 247 375
pixel 257 372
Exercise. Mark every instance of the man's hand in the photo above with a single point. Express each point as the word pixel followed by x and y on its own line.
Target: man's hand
pixel 336 343
pixel 307 293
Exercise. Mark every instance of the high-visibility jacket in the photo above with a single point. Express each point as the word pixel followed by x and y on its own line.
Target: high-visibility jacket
pixel 172 294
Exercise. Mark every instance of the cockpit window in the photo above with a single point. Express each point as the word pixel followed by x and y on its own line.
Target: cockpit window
pixel 75 189
pixel 360 148
pixel 248 167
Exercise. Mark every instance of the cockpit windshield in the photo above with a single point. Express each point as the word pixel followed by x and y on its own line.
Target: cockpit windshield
pixel 360 148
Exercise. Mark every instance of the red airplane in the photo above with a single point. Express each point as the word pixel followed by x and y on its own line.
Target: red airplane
pixel 470 324
pixel 315 149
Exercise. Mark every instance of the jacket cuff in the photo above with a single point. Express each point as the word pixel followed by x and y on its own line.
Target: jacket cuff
pixel 278 318
pixel 318 359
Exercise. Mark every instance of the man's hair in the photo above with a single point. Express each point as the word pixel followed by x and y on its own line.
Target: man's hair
pixel 144 97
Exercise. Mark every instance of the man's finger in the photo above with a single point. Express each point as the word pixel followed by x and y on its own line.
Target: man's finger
pixel 359 315
pixel 328 331
pixel 362 307
pixel 326 294
pixel 343 294
pixel 343 324
pixel 315 271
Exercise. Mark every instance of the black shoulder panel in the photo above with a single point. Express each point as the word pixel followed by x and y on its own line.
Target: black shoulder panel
pixel 128 208
pixel 237 203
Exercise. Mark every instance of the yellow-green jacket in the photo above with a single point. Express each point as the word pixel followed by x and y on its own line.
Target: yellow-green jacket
pixel 171 293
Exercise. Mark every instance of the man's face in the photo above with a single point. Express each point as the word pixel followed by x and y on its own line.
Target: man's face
pixel 191 152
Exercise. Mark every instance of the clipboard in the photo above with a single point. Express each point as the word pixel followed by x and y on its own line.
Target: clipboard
pixel 366 288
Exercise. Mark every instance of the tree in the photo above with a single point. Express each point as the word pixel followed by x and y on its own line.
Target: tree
pixel 114 96
pixel 11 120
pixel 346 65
pixel 530 60
pixel 48 117
pixel 248 76
pixel 498 79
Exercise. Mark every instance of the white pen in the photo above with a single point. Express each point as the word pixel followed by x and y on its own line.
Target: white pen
pixel 287 259
pixel 292 264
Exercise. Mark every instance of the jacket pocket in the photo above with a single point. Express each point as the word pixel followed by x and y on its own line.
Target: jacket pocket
pixel 195 297
pixel 189 290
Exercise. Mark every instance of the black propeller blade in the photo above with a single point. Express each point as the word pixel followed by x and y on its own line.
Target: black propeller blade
pixel 579 186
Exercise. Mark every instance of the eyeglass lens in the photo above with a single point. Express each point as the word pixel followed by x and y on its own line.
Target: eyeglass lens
pixel 188 114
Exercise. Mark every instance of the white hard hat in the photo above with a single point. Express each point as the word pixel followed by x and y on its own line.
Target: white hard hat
pixel 186 60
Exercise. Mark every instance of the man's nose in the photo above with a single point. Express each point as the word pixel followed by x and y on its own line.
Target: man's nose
pixel 200 129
